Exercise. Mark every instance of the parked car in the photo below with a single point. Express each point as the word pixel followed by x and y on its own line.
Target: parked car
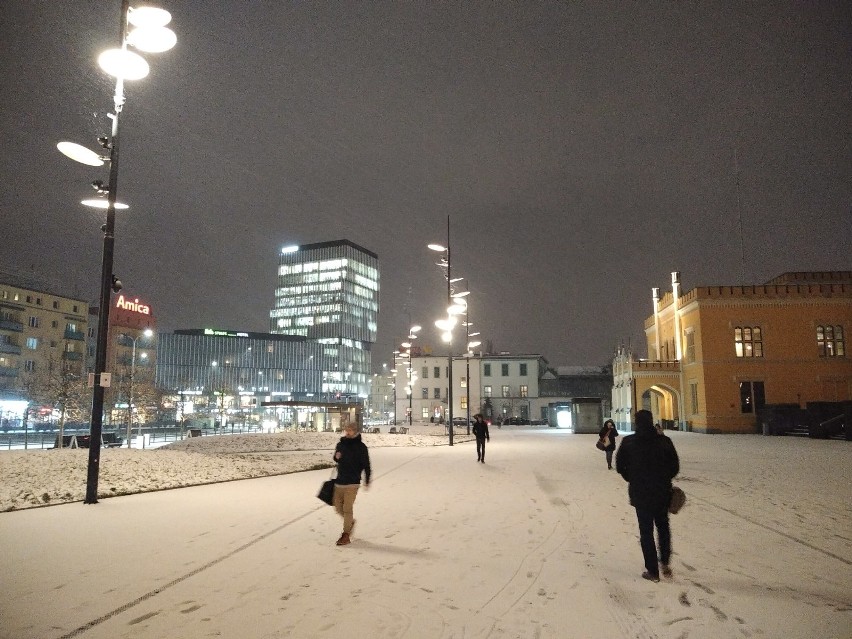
pixel 460 421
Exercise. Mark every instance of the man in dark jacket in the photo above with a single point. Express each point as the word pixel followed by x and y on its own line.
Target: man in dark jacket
pixel 648 461
pixel 480 431
pixel 352 459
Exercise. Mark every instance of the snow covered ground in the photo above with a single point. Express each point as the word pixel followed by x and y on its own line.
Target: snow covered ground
pixel 43 477
pixel 538 542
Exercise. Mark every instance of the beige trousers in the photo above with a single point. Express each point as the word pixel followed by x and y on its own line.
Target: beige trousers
pixel 343 502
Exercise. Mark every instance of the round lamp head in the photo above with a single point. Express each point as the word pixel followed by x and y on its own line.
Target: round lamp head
pixel 103 204
pixel 152 39
pixel 79 153
pixel 123 64
pixel 148 17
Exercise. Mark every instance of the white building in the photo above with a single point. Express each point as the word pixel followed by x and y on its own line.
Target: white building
pixel 498 386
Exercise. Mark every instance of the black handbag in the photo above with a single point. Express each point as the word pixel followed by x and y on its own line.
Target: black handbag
pixel 326 493
pixel 600 445
pixel 677 501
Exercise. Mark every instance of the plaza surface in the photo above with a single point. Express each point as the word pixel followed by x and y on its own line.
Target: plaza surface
pixel 537 542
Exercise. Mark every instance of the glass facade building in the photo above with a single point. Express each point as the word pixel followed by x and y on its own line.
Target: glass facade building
pixel 328 290
pixel 322 329
pixel 262 365
pixel 329 293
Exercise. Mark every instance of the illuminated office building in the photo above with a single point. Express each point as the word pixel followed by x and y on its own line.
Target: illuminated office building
pixel 328 293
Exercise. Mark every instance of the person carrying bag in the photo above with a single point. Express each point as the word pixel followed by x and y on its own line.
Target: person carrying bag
pixel 606 442
pixel 326 493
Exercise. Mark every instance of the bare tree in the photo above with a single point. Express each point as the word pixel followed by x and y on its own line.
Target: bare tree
pixel 59 385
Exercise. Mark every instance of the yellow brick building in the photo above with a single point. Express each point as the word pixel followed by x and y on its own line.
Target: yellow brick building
pixel 718 354
pixel 42 340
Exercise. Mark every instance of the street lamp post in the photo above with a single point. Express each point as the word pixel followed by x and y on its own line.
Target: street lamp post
pixel 448 333
pixel 412 334
pixel 467 355
pixel 218 404
pixel 395 376
pixel 406 357
pixel 150 35
pixel 393 383
pixel 410 394
pixel 146 334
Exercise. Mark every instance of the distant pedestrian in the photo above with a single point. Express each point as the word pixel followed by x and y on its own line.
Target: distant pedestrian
pixel 608 434
pixel 352 458
pixel 480 431
pixel 648 461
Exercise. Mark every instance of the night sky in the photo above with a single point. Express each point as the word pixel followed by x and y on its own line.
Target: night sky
pixel 584 150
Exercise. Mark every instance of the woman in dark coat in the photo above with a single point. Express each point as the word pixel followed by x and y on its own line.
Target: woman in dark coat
pixel 608 434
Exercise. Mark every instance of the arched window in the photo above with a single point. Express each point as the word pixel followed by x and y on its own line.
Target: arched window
pixel 748 341
pixel 830 341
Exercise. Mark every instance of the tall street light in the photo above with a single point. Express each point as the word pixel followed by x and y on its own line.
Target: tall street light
pixel 392 379
pixel 404 359
pixel 151 35
pixel 448 336
pixel 468 353
pixel 147 333
pixel 456 305
pixel 396 360
pixel 412 334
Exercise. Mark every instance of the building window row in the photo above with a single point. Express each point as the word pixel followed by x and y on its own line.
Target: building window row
pixel 748 342
pixel 504 370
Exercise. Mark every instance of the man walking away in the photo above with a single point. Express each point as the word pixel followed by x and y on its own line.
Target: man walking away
pixel 648 461
pixel 480 431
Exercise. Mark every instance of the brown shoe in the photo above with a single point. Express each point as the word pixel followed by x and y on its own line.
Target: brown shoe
pixel 666 570
pixel 344 539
